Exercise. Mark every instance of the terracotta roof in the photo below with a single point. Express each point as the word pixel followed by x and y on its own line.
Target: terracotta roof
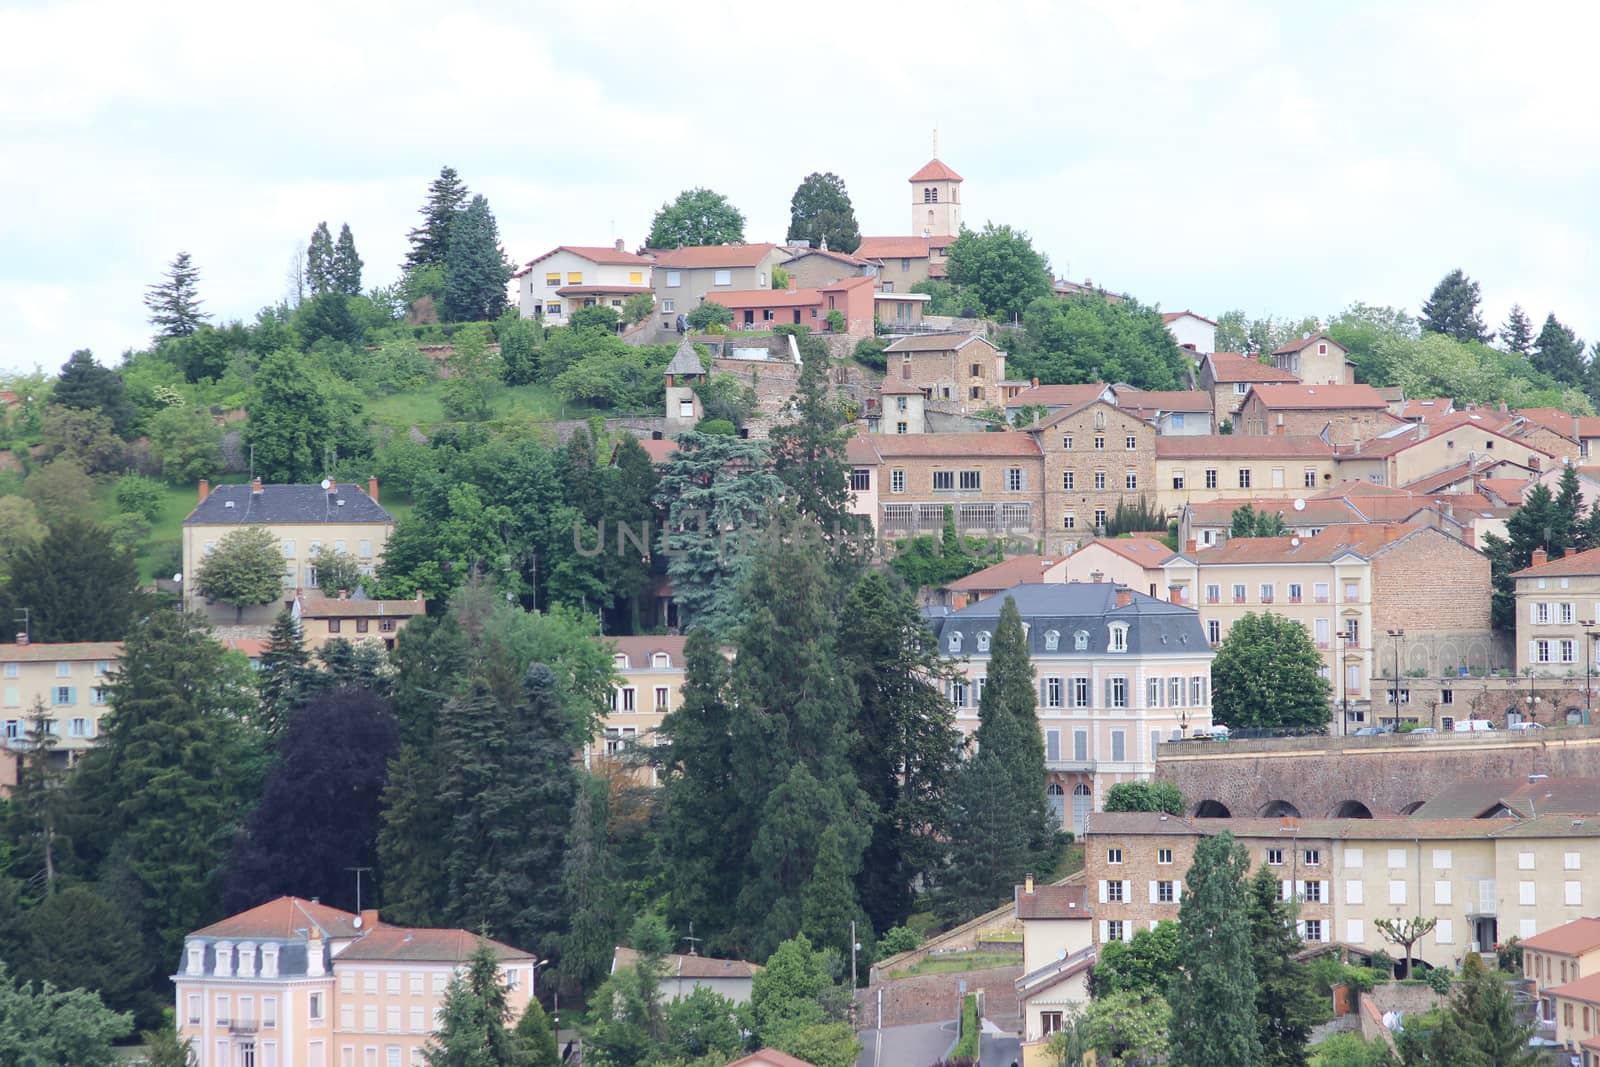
pixel 1173 316
pixel 771 1057
pixel 1164 399
pixel 1052 902
pixel 701 256
pixel 1364 540
pixel 328 607
pixel 1589 426
pixel 1553 419
pixel 1137 822
pixel 605 255
pixel 1318 511
pixel 680 965
pixel 1301 343
pixel 423 945
pixel 1582 563
pixel 1234 367
pixel 901 247
pixel 1587 989
pixel 768 298
pixel 1318 397
pixel 253 647
pixel 1238 446
pixel 281 918
pixel 1507 489
pixel 601 290
pixel 998 443
pixel 842 257
pixel 845 284
pixel 953 341
pixel 639 649
pixel 1145 551
pixel 660 450
pixel 64 650
pixel 1014 571
pixel 1427 410
pixel 935 170
pixel 1058 396
pixel 859 449
pixel 892 387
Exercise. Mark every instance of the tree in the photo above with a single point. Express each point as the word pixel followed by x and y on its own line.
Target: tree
pixel 188 442
pixel 1405 933
pixel 1352 1050
pixel 60 490
pixel 1287 1003
pixel 245 570
pixel 536 1038
pixel 163 1049
pixel 808 455
pixel 794 993
pixel 79 940
pixel 42 1026
pixel 999 266
pixel 87 386
pixel 430 242
pixel 820 212
pixel 476 270
pixel 319 261
pixel 285 673
pixel 1145 796
pixel 1266 675
pixel 637 308
pixel 626 1023
pixel 86 438
pixel 135 494
pixel 706 314
pixel 1558 352
pixel 1517 333
pixel 627 508
pixel 1142 966
pixel 474 374
pixel 1248 522
pixel 697 217
pixel 291 420
pixel 1213 991
pixel 1128 1029
pixel 1452 309
pixel 473 1023
pixel 337 572
pixel 345 264
pixel 33 822
pixel 907 749
pixel 1480 1025
pixel 174 302
pixel 1085 339
pixel 75 585
pixel 320 808
pixel 591 888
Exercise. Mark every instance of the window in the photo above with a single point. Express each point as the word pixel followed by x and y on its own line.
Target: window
pixel 1525 861
pixel 1165 893
pixel 1266 592
pixel 1570 861
pixel 391 1018
pixel 1080 693
pixel 955 642
pixel 418 1024
pixel 673 280
pixel 1100 519
pixel 972 479
pixel 1573 894
pixel 1014 480
pixel 1313 893
pixel 361 626
pixel 1541 652
pixel 1441 892
pixel 723 277
pixel 1244 477
pixel 1080 640
pixel 1066 442
pixel 1241 388
pixel 333 626
pixel 1211 477
pixel 1313 930
pixel 1525 895
pixel 1080 751
pixel 1132 480
pixel 1566 610
pixel 1052 640
pixel 958 692
pixel 944 481
pixel 1114 892
pixel 1099 442
pixel 1152 693
pixel 1352 592
pixel 1239 592
pixel 1113 855
pixel 1164 856
pixel 860 479
pixel 1114 930
pixel 1068 481
pixel 1197 690
pixel 983 640
pixel 1132 443
pixel 897 481
pixel 64 695
pixel 391 983
pixel 1177 479
pixel 1353 891
pixel 369 981
pixel 1397 891
pixel 369 1017
pixel 1116 694
pixel 1119 638
pixel 1310 478
pixel 1049 1022
pixel 1441 859
pixel 1569 651
pixel 1069 521
pixel 1099 479
pixel 1053 692
pixel 194 1009
pixel 668 306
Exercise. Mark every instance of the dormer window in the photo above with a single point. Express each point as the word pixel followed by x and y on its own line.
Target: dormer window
pixel 1119 637
pixel 660 661
pixel 983 640
pixel 620 661
pixel 224 968
pixel 269 961
pixel 197 958
pixel 247 959
pixel 1080 640
pixel 955 642
pixel 1052 640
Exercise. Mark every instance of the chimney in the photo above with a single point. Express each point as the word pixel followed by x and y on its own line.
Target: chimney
pixel 1540 558
pixel 255 487
pixel 791 283
pixel 1027 885
pixel 1124 597
pixel 619 244
pixel 372 489
pixel 1191 547
pixel 314 963
pixel 205 489
pixel 1095 576
pixel 369 918
pixel 1036 383
pixel 1175 594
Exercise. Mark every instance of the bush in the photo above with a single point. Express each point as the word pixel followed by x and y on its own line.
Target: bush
pixel 967 1045
pixel 1438 980
pixel 836 321
pixel 138 495
pixel 869 353
pixel 898 939
pixel 718 426
pixel 708 314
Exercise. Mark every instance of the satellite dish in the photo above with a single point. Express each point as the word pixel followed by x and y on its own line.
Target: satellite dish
pixel 1061 953
pixel 1295 541
pixel 326 485
pixel 356 922
pixel 178 577
pixel 1299 504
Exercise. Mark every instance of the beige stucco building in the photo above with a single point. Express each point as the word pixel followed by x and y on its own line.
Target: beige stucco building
pixel 683 277
pixel 294 983
pixel 1316 359
pixel 1558 601
pixel 302 518
pixel 649 685
pixel 67 681
pixel 569 278
pixel 1058 952
pixel 1234 467
pixel 353 619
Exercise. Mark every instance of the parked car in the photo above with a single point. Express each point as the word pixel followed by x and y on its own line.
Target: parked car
pixel 1369 731
pixel 1424 730
pixel 1526 726
pixel 1473 726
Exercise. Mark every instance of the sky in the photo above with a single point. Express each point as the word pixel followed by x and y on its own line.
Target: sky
pixel 1217 155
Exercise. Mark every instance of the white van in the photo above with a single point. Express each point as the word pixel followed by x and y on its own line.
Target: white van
pixel 1472 726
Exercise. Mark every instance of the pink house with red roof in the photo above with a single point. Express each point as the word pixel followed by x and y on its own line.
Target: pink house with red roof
pixel 569 278
pixel 762 309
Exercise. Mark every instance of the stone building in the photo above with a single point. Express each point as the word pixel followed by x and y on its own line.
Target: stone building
pixel 961 368
pixel 1096 456
pixel 1339 414
pixel 1228 376
pixel 993 482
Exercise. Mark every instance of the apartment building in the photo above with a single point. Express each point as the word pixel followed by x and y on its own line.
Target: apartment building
pixel 1173 412
pixel 1136 562
pixel 683 277
pixel 1339 414
pixel 1350 586
pixel 1409 454
pixel 1228 377
pixel 649 684
pixel 960 368
pixel 569 278
pixel 302 518
pixel 1235 467
pixel 1558 601
pixel 68 681
pixel 993 482
pixel 1483 880
pixel 295 983
pixel 1565 954
pixel 1316 359
pixel 1117 673
pixel 1462 515
pixel 1096 457
pixel 353 618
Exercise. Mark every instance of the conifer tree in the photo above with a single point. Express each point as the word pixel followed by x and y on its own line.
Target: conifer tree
pixel 291 419
pixel 174 302
pixel 1009 691
pixel 33 820
pixel 592 893
pixel 413 842
pixel 346 264
pixel 319 260
pixel 808 454
pixel 1481 1025
pixel 1517 333
pixel 474 1023
pixel 476 271
pixel 1287 1004
pixel 629 513
pixel 1452 309
pixel 75 585
pixel 1558 352
pixel 820 212
pixel 430 242
pixel 1213 995
pixel 87 386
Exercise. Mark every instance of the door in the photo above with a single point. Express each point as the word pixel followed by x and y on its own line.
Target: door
pixel 1081 801
pixel 797 316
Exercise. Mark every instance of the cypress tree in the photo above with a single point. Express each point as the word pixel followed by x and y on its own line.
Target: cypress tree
pixel 592 890
pixel 447 196
pixel 475 267
pixel 988 850
pixel 1517 333
pixel 319 261
pixel 1287 1004
pixel 1213 993
pixel 346 264
pixel 1452 309
pixel 174 302
pixel 1009 691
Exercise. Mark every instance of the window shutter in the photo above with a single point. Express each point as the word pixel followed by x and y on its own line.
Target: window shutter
pixel 1284 888
pixel 1177 891
pixel 1152 892
pixel 1327 933
pixel 1041 692
pixel 1108 692
pixel 1299 891
pixel 72 694
pixel 1127 892
pixel 1104 930
pixel 1102 892
pixel 1327 893
pixel 1300 929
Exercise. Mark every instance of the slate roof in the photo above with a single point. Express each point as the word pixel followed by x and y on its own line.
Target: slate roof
pixel 1155 627
pixel 685 361
pixel 287 505
pixel 639 649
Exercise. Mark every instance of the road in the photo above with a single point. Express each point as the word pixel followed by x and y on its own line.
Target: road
pixel 999 1050
pixel 907 1046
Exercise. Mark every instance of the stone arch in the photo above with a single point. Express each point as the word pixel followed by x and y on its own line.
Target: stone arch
pixel 1277 809
pixel 1082 802
pixel 1351 809
pixel 1212 809
pixel 1411 808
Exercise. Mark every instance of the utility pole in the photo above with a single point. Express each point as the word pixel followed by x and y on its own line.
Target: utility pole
pixel 1398 636
pixel 1589 636
pixel 693 940
pixel 359 872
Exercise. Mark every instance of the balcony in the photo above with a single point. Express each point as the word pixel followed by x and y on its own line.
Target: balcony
pixel 1296 599
pixel 1266 599
pixel 1082 765
pixel 1210 599
pixel 1238 599
pixel 1320 600
pixel 242 1026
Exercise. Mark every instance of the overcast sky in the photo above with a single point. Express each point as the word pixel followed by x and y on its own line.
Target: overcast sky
pixel 1198 155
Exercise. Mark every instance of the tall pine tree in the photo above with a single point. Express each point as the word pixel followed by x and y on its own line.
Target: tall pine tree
pixel 75 585
pixel 1517 333
pixel 476 271
pixel 319 261
pixel 808 455
pixel 1287 1004
pixel 1558 352
pixel 1452 309
pixel 430 242
pixel 346 264
pixel 592 890
pixel 1213 993
pixel 174 302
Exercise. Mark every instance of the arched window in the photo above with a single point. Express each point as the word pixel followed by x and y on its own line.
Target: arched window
pixel 1119 638
pixel 660 660
pixel 983 640
pixel 1082 801
pixel 955 641
pixel 1052 640
pixel 1080 640
pixel 1058 802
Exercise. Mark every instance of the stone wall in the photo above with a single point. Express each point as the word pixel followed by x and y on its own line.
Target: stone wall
pixel 1388 774
pixel 933 998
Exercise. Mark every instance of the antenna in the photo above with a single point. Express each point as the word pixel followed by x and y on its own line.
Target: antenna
pixel 936 142
pixel 359 872
pixel 693 940
pixel 25 617
pixel 252 462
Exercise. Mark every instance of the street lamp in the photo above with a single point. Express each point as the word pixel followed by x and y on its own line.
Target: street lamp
pixel 1398 636
pixel 1342 637
pixel 537 964
pixel 1589 636
pixel 1183 722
